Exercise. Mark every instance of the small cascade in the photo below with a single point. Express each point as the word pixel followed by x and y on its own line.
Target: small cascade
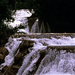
pixel 45 28
pixel 40 56
pixel 40 28
pixel 57 62
pixel 50 61
pixel 35 27
pixel 32 26
pixel 20 18
pixel 13 47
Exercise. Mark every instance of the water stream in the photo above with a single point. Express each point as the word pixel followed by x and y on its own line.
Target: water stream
pixel 42 59
pixel 21 18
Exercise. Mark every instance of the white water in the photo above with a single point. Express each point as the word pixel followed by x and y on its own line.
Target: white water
pixel 53 63
pixel 36 28
pixel 12 47
pixel 21 18
pixel 63 64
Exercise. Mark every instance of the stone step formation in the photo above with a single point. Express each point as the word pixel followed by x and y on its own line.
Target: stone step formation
pixel 27 48
pixel 18 59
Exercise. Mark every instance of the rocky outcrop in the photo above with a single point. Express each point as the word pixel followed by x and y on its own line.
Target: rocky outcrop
pixel 3 53
pixel 36 57
pixel 9 70
pixel 18 59
pixel 44 35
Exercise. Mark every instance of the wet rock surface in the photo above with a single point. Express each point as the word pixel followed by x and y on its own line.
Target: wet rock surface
pixel 31 21
pixel 3 53
pixel 18 59
pixel 35 62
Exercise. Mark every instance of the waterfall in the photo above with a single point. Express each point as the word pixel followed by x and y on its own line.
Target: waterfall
pixel 53 62
pixel 40 28
pixel 39 54
pixel 12 47
pixel 21 16
pixel 48 55
pixel 45 28
pixel 35 27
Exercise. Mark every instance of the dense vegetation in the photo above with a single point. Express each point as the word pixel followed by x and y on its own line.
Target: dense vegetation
pixel 6 7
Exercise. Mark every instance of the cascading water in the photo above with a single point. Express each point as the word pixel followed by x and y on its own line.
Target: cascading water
pixel 37 28
pixel 48 56
pixel 21 18
pixel 54 62
pixel 12 47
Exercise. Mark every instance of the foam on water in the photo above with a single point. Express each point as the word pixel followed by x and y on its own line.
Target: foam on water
pixel 35 27
pixel 20 18
pixel 12 47
pixel 59 66
pixel 54 62
pixel 61 41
